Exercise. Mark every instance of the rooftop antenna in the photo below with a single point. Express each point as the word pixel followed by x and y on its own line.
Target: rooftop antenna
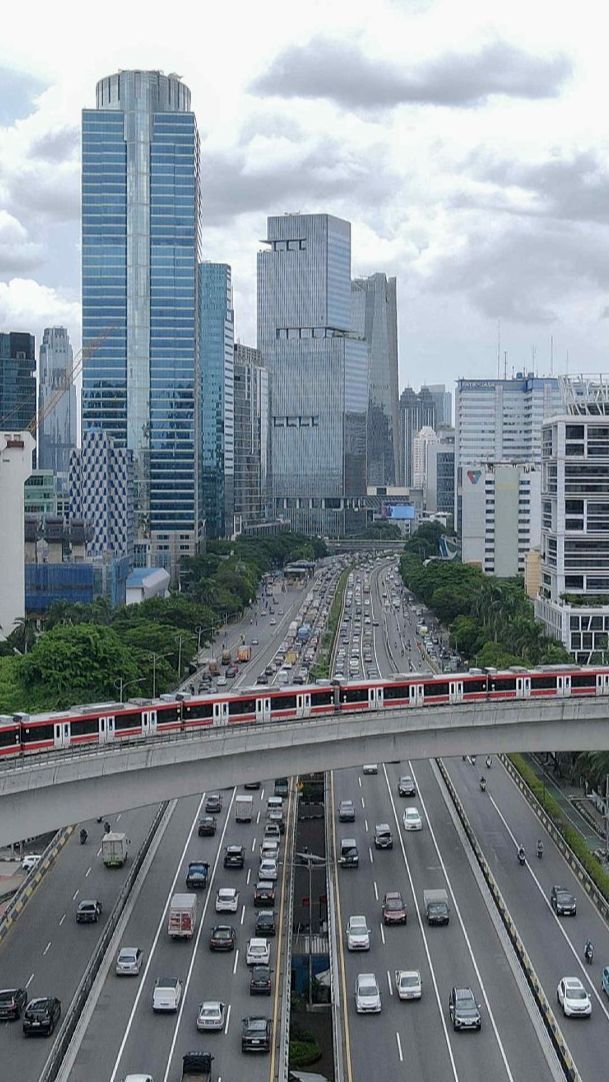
pixel 505 364
pixel 498 348
pixel 551 354
pixel 533 359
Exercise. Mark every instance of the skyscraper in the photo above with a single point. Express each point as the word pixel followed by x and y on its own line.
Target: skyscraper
pixel 444 404
pixel 318 370
pixel 17 380
pixel 217 398
pixel 417 411
pixel 101 493
pixel 141 247
pixel 251 436
pixel 374 317
pixel 56 401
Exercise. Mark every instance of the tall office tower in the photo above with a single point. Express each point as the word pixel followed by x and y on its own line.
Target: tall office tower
pixel 439 489
pixel 141 248
pixel 319 373
pixel 252 403
pixel 444 404
pixel 101 493
pixel 217 406
pixel 424 438
pixel 500 420
pixel 501 516
pixel 56 401
pixel 573 600
pixel 15 467
pixel 417 411
pixel 374 317
pixel 17 380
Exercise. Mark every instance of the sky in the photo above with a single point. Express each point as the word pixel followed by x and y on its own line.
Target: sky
pixel 467 144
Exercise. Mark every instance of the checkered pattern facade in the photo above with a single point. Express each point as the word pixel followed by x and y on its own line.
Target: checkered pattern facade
pixel 101 493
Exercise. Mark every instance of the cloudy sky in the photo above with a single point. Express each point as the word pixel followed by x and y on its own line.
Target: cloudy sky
pixel 466 142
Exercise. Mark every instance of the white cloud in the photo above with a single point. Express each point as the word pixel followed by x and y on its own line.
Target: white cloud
pixel 26 305
pixel 17 251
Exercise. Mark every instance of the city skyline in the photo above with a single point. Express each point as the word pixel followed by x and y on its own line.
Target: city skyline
pixel 477 228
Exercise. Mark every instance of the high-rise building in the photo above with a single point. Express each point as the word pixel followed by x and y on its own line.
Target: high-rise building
pixel 501 516
pixel 500 420
pixel 56 401
pixel 318 370
pixel 417 411
pixel 374 317
pixel 141 249
pixel 217 407
pixel 444 404
pixel 15 467
pixel 573 600
pixel 17 380
pixel 439 489
pixel 101 493
pixel 421 443
pixel 252 401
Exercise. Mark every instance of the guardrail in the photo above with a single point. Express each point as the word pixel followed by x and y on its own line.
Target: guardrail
pixel 333 933
pixel 547 1014
pixel 32 881
pixel 283 1059
pixel 55 1060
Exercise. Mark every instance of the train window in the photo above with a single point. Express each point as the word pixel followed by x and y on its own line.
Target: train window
pixel 502 683
pixel 241 706
pixel 84 727
pixel 396 691
pixel 193 711
pixel 583 680
pixel 33 733
pixel 355 695
pixel 472 686
pixel 132 719
pixel 9 736
pixel 543 683
pixel 431 690
pixel 283 702
pixel 166 716
pixel 322 698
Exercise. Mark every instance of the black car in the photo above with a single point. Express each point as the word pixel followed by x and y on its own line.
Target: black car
pixel 231 671
pixel 12 1002
pixel 406 786
pixel 251 785
pixel 256 1034
pixel 463 1010
pixel 266 922
pixel 207 826
pixel 197 874
pixel 260 981
pixel 383 838
pixel 213 803
pixel 264 893
pixel 562 901
pixel 223 938
pixel 41 1016
pixel 88 912
pixel 234 856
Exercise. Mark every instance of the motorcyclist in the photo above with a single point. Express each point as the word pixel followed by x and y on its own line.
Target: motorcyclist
pixel 588 951
pixel 521 854
pixel 83 836
pixel 489 762
pixel 483 783
pixel 540 848
pixel 106 827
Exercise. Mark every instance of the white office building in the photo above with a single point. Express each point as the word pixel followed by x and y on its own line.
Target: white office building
pixel 421 443
pixel 500 516
pixel 15 467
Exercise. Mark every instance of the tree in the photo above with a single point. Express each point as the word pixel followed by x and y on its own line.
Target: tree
pixel 73 664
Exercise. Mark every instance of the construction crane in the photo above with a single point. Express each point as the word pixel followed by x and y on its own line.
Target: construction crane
pixel 78 363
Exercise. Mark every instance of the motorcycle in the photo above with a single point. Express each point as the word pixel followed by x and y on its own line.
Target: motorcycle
pixel 539 850
pixel 589 953
pixel 489 762
pixel 521 857
pixel 483 785
pixel 106 827
pixel 83 836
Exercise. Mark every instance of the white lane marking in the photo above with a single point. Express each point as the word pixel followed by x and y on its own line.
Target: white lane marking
pixel 390 985
pixel 46 948
pixel 98 852
pixel 160 927
pixel 62 920
pixel 370 854
pixel 87 873
pixel 363 803
pixel 262 794
pixel 29 981
pixel 75 895
pixel 397 1037
pixel 234 971
pixel 257 818
pixel 118 816
pixel 465 935
pixel 227 1021
pixel 249 873
pixel 382 932
pixel 360 781
pixel 376 890
pixel 253 844
pixel 242 913
pixel 366 824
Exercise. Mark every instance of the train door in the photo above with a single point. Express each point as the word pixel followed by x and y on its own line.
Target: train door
pixel 415 694
pixel 148 722
pixel 220 713
pixel 455 691
pixel 263 709
pixel 523 687
pixel 106 729
pixel 375 698
pixel 62 734
pixel 602 683
pixel 563 685
pixel 303 704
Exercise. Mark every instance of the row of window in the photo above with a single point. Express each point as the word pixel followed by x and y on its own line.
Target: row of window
pixel 296 422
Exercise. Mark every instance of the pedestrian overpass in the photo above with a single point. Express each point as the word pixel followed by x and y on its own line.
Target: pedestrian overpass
pixel 69 786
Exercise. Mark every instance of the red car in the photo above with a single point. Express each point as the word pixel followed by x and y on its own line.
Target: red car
pixel 394 910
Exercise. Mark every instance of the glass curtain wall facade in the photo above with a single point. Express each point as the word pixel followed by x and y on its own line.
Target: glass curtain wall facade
pixel 251 436
pixel 374 317
pixel 56 401
pixel 217 398
pixel 141 247
pixel 17 380
pixel 417 410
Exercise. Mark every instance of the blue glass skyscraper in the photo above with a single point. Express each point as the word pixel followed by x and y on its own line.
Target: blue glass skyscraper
pixel 217 398
pixel 141 248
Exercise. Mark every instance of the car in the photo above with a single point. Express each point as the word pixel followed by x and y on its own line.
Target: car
pixel 197 874
pixel 264 893
pixel 346 811
pixel 573 998
pixel 383 838
pixel 268 868
pixel 258 952
pixel 272 831
pixel 260 980
pixel 12 1002
pixel 272 621
pixel 166 994
pixel 222 938
pixel 266 923
pixel 213 803
pixel 138 1078
pixel 256 1034
pixel 234 856
pixel 254 642
pixel 207 826
pixel 408 984
pixel 269 849
pixel 221 681
pixel 358 934
pixel 261 679
pixel 367 994
pixel 370 768
pixel 412 819
pixel 463 1010
pixel 30 861
pixel 227 900
pixel 88 912
pixel 231 671
pixel 393 908
pixel 563 902
pixel 275 815
pixel 211 1016
pixel 41 1015
pixel 605 980
pixel 251 784
pixel 128 962
pixel 406 786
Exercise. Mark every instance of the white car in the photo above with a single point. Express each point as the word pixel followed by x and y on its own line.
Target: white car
pixel 268 869
pixel 358 934
pixel 30 861
pixel 258 952
pixel 367 995
pixel 166 994
pixel 370 768
pixel 211 1015
pixel 227 900
pixel 269 849
pixel 412 819
pixel 408 984
pixel 129 961
pixel 138 1078
pixel 573 998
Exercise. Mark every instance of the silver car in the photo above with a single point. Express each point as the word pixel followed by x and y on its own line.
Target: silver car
pixel 358 934
pixel 367 994
pixel 211 1015
pixel 129 961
